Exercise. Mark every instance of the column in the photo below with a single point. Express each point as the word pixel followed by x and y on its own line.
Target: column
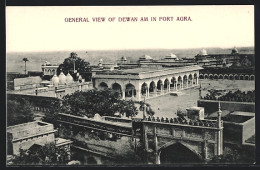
pixel 197 81
pixel 192 82
pixel 182 84
pixel 157 157
pixel 123 93
pixel 205 149
pixel 187 82
pixel 148 94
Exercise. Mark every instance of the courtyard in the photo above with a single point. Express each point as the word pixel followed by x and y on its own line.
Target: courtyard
pixel 167 105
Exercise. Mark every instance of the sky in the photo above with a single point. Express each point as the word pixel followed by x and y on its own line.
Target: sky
pixel 44 28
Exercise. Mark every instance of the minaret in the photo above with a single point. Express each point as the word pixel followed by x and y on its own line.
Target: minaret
pixel 219 116
pixel 219 133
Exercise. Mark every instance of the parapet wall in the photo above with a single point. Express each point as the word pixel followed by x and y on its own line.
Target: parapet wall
pixel 211 106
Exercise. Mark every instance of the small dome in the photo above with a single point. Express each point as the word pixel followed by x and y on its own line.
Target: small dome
pixel 171 56
pixel 101 60
pixel 146 57
pixel 234 51
pixel 69 78
pixel 62 78
pixel 55 80
pixel 123 58
pixel 203 52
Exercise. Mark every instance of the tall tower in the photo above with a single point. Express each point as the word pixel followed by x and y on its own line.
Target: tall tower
pixel 220 132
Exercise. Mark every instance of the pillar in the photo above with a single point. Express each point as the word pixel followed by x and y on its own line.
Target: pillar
pixel 197 81
pixel 123 93
pixel 148 94
pixel 205 149
pixel 162 86
pixel 156 154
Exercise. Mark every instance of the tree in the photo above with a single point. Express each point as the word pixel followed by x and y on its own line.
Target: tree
pixel 48 154
pixel 25 60
pixel 51 115
pixel 75 63
pixel 104 102
pixel 19 112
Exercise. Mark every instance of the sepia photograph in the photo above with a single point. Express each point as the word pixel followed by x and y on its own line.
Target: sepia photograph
pixel 169 85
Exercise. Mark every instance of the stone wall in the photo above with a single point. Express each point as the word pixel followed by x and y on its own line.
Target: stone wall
pixel 26 83
pixel 211 106
pixel 108 139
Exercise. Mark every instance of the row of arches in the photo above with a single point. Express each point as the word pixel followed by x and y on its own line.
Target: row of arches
pixel 153 87
pixel 227 76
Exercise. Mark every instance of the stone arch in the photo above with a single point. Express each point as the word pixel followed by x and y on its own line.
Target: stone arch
pixel 190 80
pixel 252 77
pixel 91 160
pixel 201 76
pixel 241 77
pixel 178 152
pixel 225 76
pixel 231 77
pixel 221 76
pixel 246 77
pixel 152 87
pixel 179 82
pixel 160 85
pixel 173 83
pixel 117 88
pixel 195 77
pixel 215 76
pixel 166 84
pixel 185 81
pixel 206 76
pixel 211 76
pixel 102 86
pixel 144 88
pixel 236 77
pixel 130 90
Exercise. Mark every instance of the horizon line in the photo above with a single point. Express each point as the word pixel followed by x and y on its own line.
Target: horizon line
pixel 122 49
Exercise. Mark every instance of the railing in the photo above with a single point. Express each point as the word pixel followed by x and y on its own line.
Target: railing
pixel 204 123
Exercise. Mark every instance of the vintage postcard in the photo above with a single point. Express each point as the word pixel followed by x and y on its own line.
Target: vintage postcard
pixel 130 85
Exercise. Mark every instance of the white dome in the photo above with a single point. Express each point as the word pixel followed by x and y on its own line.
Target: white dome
pixel 123 58
pixel 69 78
pixel 171 56
pixel 62 78
pixel 203 52
pixel 234 51
pixel 55 80
pixel 146 57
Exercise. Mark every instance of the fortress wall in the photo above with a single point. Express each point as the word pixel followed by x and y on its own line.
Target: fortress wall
pixel 211 106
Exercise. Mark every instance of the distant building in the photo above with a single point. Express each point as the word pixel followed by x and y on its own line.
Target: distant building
pixel 24 136
pixel 222 60
pixel 136 83
pixel 49 69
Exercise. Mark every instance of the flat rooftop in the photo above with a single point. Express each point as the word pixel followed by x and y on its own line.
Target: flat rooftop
pixel 145 72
